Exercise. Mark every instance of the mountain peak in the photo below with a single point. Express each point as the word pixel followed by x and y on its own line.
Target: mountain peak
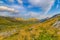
pixel 57 15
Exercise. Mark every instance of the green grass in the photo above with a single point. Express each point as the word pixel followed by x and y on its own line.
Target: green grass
pixel 7 24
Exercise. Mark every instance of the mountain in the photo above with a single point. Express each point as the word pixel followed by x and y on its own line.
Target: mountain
pixel 31 29
pixel 7 21
pixel 57 23
pixel 53 20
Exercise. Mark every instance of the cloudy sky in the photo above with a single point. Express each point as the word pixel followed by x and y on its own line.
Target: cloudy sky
pixel 29 8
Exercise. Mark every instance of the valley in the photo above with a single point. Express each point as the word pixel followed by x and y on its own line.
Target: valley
pixel 13 29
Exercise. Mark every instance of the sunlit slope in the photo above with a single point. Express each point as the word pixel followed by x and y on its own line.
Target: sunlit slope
pixel 6 20
pixel 10 26
pixel 39 31
pixel 3 20
pixel 50 21
pixel 9 22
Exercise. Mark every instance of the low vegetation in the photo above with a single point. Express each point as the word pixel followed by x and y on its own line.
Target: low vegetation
pixel 12 29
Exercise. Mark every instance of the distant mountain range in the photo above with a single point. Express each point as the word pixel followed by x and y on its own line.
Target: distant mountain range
pixel 29 19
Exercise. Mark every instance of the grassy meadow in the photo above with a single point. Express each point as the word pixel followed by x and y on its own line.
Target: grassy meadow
pixel 32 29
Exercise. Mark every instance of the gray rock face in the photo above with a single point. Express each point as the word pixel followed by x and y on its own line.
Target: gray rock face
pixel 57 24
pixel 8 33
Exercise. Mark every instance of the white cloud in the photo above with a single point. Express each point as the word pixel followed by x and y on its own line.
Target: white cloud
pixel 21 8
pixel 11 1
pixel 3 14
pixel 36 15
pixel 5 8
pixel 18 7
pixel 44 4
pixel 20 1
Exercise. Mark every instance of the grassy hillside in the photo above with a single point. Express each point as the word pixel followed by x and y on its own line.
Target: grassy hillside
pixel 12 29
